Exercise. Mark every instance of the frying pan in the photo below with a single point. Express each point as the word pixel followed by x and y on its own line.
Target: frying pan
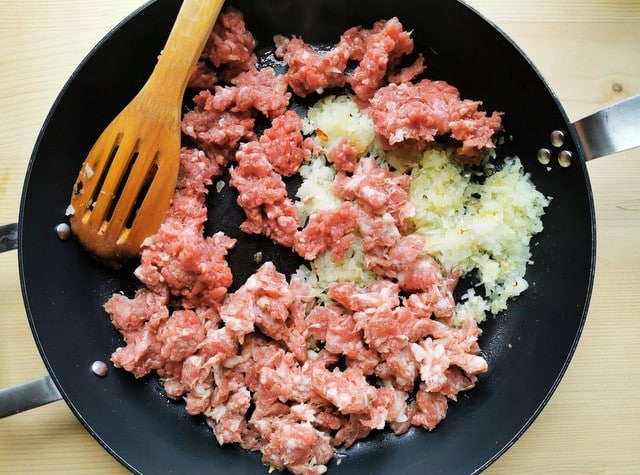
pixel 528 353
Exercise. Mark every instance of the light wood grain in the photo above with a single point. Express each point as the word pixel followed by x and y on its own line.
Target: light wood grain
pixel 589 50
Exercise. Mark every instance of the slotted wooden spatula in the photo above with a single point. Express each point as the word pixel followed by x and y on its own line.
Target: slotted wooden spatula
pixel 125 185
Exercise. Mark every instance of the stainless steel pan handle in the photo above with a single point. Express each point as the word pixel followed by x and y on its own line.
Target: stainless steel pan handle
pixel 31 394
pixel 8 237
pixel 613 129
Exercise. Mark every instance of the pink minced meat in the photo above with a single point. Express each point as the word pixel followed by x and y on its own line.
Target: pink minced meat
pixel 310 71
pixel 272 305
pixel 258 177
pixel 258 89
pixel 263 196
pixel 216 132
pixel 377 191
pixel 270 368
pixel 284 145
pixel 418 113
pixel 409 73
pixel 344 155
pixel 203 76
pixel 231 45
pixel 377 51
pixel 331 229
pixel 385 45
pixel 179 257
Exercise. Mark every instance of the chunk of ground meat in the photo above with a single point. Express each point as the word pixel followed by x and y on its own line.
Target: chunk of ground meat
pixel 130 314
pixel 258 178
pixel 409 73
pixel 192 266
pixel 296 446
pixel 229 423
pixel 203 76
pixel 428 409
pixel 384 47
pixel 257 89
pixel 284 145
pixel 263 196
pixel 337 329
pixel 274 308
pixel 344 156
pixel 230 44
pixel 142 351
pixel 209 125
pixel 310 71
pixel 331 229
pixel 181 335
pixel 179 256
pixel 377 51
pixel 377 191
pixel 417 113
pixel 347 390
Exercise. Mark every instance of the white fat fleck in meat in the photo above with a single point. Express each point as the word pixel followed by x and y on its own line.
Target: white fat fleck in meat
pixel 232 362
pixel 200 390
pixel 218 412
pixel 292 444
pixel 373 196
pixel 339 399
pixel 303 412
pixel 252 284
pixel 433 362
pixel 282 370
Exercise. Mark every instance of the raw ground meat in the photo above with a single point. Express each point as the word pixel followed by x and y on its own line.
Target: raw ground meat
pixel 258 177
pixel 417 113
pixel 255 89
pixel 230 45
pixel 377 51
pixel 344 156
pixel 179 257
pixel 268 366
pixel 385 45
pixel 309 71
pixel 331 229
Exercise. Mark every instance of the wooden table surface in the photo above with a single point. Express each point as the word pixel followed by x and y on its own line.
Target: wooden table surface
pixel 589 50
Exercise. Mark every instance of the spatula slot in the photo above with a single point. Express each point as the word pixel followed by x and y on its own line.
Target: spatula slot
pixel 153 170
pixel 122 183
pixel 101 174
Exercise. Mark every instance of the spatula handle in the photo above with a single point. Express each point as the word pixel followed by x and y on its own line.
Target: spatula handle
pixel 183 47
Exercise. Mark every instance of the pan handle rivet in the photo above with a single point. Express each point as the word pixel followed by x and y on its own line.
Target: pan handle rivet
pixel 544 156
pixel 99 368
pixel 557 138
pixel 63 230
pixel 564 158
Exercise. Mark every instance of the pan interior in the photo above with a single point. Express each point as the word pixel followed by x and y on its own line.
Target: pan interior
pixel 528 347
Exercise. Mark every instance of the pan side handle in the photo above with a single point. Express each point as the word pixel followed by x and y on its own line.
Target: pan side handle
pixel 29 395
pixel 8 237
pixel 37 392
pixel 610 130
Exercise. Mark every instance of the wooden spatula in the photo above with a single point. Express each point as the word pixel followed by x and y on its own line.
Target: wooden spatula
pixel 125 185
